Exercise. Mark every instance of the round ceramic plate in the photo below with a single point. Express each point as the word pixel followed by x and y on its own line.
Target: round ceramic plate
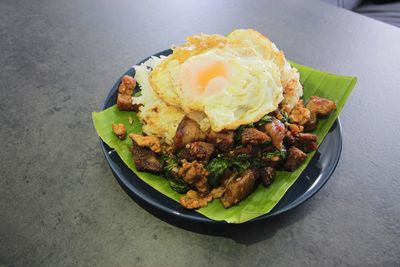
pixel 310 181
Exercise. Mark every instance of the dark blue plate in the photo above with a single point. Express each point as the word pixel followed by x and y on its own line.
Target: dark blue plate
pixel 310 181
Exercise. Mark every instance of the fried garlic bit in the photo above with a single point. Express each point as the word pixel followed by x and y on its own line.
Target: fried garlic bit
pixel 119 130
pixel 151 142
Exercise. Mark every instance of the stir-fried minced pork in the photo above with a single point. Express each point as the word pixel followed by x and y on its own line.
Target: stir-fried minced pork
pixel 194 200
pixel 120 130
pixel 321 106
pixel 151 142
pixel 194 174
pixel 299 113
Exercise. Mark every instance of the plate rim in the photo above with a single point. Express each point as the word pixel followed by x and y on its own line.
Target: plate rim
pixel 200 218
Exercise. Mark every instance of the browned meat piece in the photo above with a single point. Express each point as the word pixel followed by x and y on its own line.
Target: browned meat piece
pixel 289 139
pixel 321 106
pixel 299 113
pixel 267 175
pixel 127 85
pixel 239 188
pixel 244 150
pixel 194 200
pixel 223 141
pixel 151 142
pixel 311 124
pixel 187 132
pixel 197 151
pixel 145 159
pixel 125 92
pixel 124 102
pixel 119 130
pixel 306 142
pixel 276 129
pixel 254 137
pixel 194 174
pixel 273 161
pixel 294 158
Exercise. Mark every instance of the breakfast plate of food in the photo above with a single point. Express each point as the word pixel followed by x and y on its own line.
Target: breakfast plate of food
pixel 223 128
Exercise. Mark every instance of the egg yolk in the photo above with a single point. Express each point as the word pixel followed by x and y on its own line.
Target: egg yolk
pixel 204 78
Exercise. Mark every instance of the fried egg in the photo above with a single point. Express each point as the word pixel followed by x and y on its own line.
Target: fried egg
pixel 221 82
pixel 224 82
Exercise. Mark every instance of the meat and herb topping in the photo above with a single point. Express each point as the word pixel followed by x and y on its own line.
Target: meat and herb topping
pixel 230 164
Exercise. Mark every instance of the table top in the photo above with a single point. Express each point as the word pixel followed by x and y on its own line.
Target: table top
pixel 60 204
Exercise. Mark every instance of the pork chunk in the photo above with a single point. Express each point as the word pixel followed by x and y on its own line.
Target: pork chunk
pixel 239 188
pixel 243 150
pixel 311 124
pixel 197 151
pixel 254 137
pixel 294 158
pixel 145 159
pixel 306 142
pixel 187 132
pixel 321 106
pixel 223 141
pixel 125 92
pixel 276 130
pixel 289 139
pixel 267 175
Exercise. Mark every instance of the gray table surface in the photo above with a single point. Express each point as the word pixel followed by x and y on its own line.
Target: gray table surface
pixel 60 204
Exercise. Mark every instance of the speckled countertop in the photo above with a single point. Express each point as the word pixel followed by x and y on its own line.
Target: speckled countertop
pixel 59 202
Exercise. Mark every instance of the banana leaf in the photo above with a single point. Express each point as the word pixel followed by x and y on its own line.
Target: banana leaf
pixel 262 200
